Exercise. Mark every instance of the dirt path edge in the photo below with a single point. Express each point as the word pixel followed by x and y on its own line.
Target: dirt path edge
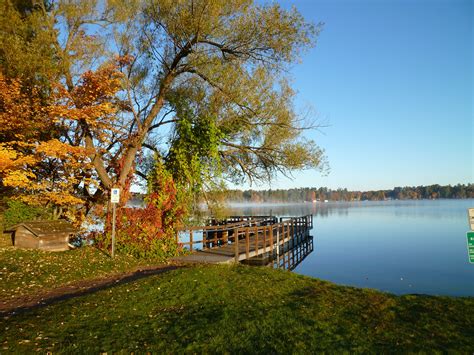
pixel 79 288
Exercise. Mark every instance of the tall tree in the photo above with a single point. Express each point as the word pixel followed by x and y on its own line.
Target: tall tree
pixel 204 87
pixel 215 71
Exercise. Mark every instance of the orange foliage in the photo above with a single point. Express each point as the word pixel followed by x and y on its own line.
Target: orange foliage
pixel 37 159
pixel 92 101
pixel 22 115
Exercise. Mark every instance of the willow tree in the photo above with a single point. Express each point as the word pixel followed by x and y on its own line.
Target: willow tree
pixel 207 88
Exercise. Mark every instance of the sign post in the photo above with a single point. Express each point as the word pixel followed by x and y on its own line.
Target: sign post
pixel 114 198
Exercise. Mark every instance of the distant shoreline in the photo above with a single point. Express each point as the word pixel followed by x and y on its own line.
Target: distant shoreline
pixel 319 203
pixel 323 194
pixel 139 200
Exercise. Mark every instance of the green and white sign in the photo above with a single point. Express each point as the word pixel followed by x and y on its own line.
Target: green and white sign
pixel 470 246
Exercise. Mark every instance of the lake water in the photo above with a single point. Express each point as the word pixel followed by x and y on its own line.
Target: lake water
pixel 403 247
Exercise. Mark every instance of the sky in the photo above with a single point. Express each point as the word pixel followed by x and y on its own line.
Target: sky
pixel 394 82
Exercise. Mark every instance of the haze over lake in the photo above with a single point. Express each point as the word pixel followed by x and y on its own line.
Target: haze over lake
pixel 401 247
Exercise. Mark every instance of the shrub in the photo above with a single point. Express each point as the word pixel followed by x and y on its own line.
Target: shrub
pixel 149 232
pixel 17 212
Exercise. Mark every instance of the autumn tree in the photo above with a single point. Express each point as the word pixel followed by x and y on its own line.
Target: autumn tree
pixel 27 65
pixel 204 89
pixel 39 159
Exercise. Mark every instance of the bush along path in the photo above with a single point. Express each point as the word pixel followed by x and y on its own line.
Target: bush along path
pixel 230 309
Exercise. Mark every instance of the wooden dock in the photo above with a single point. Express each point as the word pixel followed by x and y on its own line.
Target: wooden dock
pixel 243 238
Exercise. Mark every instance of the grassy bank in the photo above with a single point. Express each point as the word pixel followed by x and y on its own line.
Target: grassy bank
pixel 242 309
pixel 25 272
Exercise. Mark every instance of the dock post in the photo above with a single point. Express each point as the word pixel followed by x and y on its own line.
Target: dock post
pixel 278 246
pixel 225 237
pixel 257 233
pixel 191 240
pixel 290 236
pixel 271 239
pixel 236 244
pixel 298 241
pixel 247 242
pixel 300 230
pixel 215 241
pixel 291 229
pixel 265 239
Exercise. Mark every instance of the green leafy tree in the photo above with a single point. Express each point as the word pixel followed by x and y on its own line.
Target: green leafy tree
pixel 209 69
pixel 27 51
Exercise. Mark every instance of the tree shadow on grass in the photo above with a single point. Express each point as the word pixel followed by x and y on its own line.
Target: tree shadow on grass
pixel 81 288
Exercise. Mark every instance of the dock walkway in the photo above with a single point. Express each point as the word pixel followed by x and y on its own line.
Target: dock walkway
pixel 244 239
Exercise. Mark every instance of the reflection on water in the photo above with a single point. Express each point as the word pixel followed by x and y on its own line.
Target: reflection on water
pixel 397 246
pixel 288 258
pixel 445 209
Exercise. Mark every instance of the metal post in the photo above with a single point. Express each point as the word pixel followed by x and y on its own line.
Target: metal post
pixel 113 229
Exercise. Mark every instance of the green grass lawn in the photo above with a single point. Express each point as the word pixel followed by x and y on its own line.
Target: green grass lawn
pixel 25 272
pixel 241 309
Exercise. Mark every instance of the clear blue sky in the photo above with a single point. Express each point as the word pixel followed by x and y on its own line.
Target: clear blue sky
pixel 395 81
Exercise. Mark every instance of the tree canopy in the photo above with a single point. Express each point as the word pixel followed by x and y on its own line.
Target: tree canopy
pixel 202 86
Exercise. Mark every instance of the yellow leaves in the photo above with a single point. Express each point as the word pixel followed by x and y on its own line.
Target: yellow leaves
pixel 18 178
pixel 17 171
pixel 11 159
pixel 57 198
pixel 7 158
pixel 57 149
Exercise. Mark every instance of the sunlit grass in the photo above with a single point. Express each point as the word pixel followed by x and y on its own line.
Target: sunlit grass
pixel 242 309
pixel 24 272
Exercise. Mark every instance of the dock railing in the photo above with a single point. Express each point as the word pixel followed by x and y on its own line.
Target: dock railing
pixel 251 237
pixel 253 241
pixel 217 235
pixel 244 218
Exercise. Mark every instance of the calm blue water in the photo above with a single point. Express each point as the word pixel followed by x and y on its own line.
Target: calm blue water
pixel 398 246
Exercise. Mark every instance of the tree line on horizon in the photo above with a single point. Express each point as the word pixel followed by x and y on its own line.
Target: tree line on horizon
pixel 310 194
